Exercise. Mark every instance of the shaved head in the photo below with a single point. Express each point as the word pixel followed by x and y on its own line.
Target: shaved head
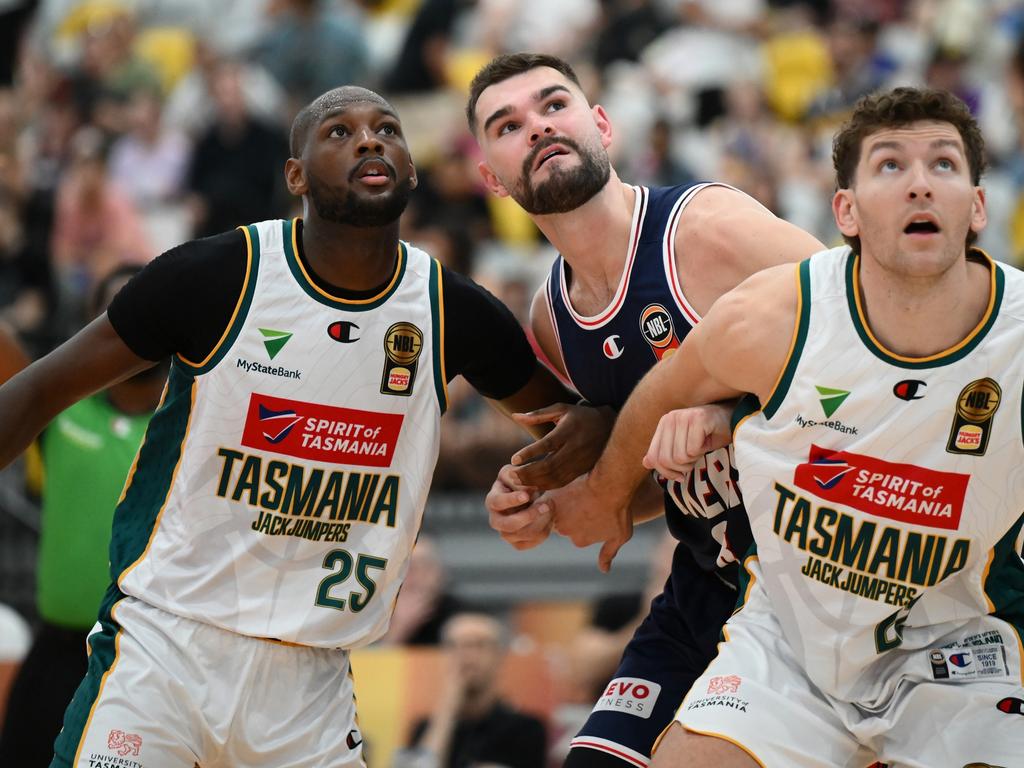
pixel 314 112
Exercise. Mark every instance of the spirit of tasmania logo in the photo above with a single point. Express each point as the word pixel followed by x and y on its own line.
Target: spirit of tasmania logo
pixel 321 432
pixel 903 492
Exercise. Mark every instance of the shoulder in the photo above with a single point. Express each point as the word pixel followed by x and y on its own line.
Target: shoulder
pixel 745 337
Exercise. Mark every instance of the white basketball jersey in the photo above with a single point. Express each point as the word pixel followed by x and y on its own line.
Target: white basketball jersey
pixel 281 484
pixel 885 493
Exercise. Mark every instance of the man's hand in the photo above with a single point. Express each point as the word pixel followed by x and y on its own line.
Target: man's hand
pixel 568 450
pixel 587 517
pixel 516 512
pixel 684 436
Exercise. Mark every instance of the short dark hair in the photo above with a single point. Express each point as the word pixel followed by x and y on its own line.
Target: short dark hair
pixel 314 112
pixel 895 109
pixel 509 65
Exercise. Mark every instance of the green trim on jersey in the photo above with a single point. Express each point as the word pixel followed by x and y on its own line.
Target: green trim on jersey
pixel 241 309
pixel 138 514
pixel 437 326
pixel 952 355
pixel 335 302
pixel 743 581
pixel 747 406
pixel 799 339
pixel 102 658
pixel 1004 582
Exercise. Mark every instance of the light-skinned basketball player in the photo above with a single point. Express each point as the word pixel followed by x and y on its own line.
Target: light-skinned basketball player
pixel 637 268
pixel 267 521
pixel 881 464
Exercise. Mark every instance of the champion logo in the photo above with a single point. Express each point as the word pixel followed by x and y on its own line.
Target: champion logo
pixel 612 347
pixel 343 331
pixel 1011 706
pixel 909 389
pixel 959 659
pixel 280 423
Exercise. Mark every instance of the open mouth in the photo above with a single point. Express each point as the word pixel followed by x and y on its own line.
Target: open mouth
pixel 373 172
pixel 548 153
pixel 921 227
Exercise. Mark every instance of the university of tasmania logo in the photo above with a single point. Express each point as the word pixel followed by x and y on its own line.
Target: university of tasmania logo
pixel 972 423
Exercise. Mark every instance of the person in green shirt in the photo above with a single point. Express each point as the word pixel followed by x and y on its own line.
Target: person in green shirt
pixel 79 467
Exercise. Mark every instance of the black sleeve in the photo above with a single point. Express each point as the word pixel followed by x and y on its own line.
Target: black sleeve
pixel 182 301
pixel 483 341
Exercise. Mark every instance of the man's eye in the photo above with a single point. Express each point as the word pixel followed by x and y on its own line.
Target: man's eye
pixel 945 165
pixel 890 165
pixel 507 128
pixel 388 130
pixel 337 130
pixel 555 106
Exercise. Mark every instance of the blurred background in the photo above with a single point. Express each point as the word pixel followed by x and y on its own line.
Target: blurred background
pixel 129 126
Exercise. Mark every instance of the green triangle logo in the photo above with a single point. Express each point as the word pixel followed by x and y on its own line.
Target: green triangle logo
pixel 274 340
pixel 831 399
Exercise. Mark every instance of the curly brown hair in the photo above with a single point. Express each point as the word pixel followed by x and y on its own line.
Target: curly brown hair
pixel 895 109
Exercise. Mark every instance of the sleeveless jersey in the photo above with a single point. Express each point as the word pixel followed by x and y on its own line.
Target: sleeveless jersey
pixel 885 494
pixel 281 483
pixel 607 354
pixel 86 452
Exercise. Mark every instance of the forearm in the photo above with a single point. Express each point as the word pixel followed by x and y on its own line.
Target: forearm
pixel 678 382
pixel 648 502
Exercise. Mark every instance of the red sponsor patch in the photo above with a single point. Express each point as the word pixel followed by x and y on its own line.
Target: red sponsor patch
pixel 903 492
pixel 321 432
pixel 726 684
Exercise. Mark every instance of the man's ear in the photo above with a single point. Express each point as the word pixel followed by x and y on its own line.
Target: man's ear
pixel 491 181
pixel 844 212
pixel 295 177
pixel 413 178
pixel 979 213
pixel 604 125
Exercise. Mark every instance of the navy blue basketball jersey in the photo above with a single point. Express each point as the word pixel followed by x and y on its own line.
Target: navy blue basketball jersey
pixel 607 354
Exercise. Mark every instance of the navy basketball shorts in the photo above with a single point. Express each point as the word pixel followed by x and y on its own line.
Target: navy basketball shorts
pixel 668 652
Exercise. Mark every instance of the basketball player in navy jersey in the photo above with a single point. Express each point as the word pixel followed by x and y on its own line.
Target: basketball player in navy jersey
pixel 637 269
pixel 267 521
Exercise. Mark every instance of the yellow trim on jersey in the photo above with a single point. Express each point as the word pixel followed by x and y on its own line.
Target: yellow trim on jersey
pixel 234 314
pixel 731 740
pixel 103 682
pixel 440 313
pixel 170 487
pixel 325 294
pixel 956 347
pixel 792 341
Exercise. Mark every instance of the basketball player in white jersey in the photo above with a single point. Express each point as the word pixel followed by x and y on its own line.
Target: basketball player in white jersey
pixel 267 521
pixel 882 466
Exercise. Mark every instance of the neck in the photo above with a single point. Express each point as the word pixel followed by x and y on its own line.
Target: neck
pixel 923 316
pixel 479 705
pixel 594 237
pixel 356 258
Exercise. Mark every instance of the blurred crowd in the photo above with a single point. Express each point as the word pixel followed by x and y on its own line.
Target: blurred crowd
pixel 129 126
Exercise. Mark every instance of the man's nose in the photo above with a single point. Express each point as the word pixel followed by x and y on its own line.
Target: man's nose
pixel 920 186
pixel 369 142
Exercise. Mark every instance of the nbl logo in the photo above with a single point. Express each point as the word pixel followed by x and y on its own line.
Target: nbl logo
pixel 656 327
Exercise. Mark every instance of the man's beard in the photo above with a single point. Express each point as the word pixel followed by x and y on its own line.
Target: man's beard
pixel 564 190
pixel 342 208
